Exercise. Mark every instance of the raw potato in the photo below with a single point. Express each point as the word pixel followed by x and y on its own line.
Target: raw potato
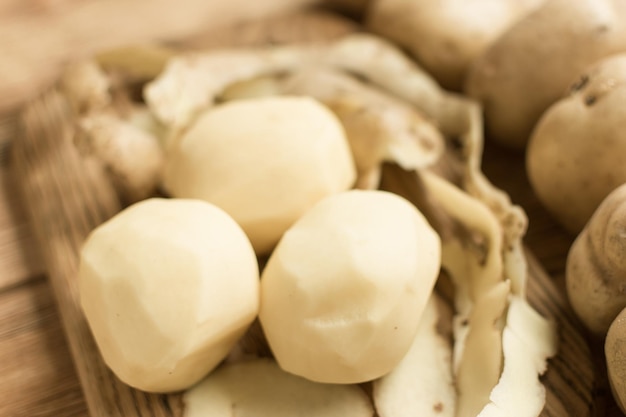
pixel 446 36
pixel 259 388
pixel 264 161
pixel 168 287
pixel 478 218
pixel 422 384
pixel 343 292
pixel 379 127
pixel 616 359
pixel 531 66
pixel 576 156
pixel 595 272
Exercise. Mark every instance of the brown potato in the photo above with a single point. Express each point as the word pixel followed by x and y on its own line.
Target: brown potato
pixel 596 265
pixel 616 359
pixel 530 66
pixel 446 36
pixel 576 154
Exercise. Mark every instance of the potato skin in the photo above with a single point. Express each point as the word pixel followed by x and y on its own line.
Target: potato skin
pixel 576 155
pixel 615 352
pixel 446 36
pixel 531 65
pixel 596 265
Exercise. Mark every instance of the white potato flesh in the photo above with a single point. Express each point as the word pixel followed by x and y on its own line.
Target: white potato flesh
pixel 168 287
pixel 265 161
pixel 259 388
pixel 422 384
pixel 342 294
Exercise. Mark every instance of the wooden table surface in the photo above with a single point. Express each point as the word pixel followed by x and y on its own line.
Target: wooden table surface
pixel 37 374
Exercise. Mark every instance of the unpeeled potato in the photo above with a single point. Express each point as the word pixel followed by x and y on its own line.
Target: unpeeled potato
pixel 531 65
pixel 577 154
pixel 446 36
pixel 595 272
pixel 615 351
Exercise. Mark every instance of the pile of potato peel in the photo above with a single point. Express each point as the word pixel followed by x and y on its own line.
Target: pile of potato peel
pixel 501 345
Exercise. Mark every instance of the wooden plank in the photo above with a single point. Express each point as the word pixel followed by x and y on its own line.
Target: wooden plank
pixel 38 377
pixel 19 260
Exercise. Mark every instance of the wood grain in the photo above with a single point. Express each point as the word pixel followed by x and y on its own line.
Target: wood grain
pixel 38 377
pixel 20 258
pixel 67 196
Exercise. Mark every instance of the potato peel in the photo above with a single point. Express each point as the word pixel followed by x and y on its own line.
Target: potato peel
pixel 380 127
pixel 528 340
pixel 259 388
pixel 131 155
pixel 484 253
pixel 481 364
pixel 423 383
pixel 192 82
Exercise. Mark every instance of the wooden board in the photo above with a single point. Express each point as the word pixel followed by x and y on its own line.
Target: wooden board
pixel 67 196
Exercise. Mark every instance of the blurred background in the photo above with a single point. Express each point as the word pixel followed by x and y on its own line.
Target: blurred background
pixel 37 36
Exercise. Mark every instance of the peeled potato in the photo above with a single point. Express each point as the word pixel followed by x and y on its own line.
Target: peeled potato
pixel 264 161
pixel 168 287
pixel 343 292
pixel 259 388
